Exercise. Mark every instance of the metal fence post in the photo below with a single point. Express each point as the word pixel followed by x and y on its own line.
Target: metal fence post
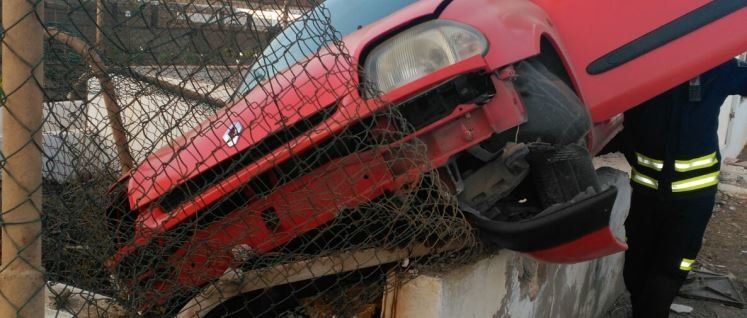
pixel 21 272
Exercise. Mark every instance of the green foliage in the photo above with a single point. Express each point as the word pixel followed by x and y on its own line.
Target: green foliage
pixel 248 53
pixel 191 58
pixel 62 69
pixel 167 57
pixel 228 53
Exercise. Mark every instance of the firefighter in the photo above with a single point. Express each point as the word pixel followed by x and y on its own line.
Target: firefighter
pixel 671 142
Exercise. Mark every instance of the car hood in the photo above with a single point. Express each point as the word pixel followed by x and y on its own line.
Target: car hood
pixel 328 79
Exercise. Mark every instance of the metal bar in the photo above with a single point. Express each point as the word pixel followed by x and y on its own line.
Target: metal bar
pixel 113 110
pixel 236 282
pixel 21 273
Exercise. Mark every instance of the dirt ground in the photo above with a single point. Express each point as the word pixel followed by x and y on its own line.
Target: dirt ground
pixel 724 251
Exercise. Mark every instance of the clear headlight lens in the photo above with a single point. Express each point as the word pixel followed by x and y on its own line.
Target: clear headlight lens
pixel 420 51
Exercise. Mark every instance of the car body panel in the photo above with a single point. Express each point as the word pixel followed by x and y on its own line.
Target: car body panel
pixel 519 26
pixel 591 29
pixel 203 146
pixel 591 246
pixel 321 194
pixel 514 29
pixel 468 125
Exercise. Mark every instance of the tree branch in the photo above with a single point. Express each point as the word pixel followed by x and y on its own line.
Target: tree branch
pixel 107 89
pixel 174 89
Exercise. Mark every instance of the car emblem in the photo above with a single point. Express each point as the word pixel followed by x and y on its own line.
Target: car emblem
pixel 231 137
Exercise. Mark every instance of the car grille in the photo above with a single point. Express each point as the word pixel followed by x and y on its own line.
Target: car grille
pixel 440 101
pixel 179 194
pixel 418 112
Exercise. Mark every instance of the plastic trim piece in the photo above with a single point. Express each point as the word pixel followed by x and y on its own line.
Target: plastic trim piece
pixel 666 33
pixel 551 227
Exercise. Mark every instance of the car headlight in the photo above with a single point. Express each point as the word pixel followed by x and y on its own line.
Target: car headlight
pixel 420 51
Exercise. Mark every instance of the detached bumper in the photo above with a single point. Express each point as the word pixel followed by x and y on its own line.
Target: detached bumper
pixel 570 233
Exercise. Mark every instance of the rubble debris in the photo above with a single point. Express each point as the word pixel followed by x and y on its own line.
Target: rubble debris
pixel 704 284
pixel 740 163
pixel 681 309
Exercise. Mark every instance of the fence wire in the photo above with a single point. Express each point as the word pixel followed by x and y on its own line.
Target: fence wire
pixel 208 159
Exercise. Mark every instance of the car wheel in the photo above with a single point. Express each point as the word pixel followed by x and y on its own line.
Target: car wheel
pixel 556 130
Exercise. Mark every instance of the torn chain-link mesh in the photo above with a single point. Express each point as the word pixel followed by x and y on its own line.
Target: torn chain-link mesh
pixel 187 173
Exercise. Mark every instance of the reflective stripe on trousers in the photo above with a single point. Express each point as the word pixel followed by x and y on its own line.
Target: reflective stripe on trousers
pixel 690 184
pixel 686 264
pixel 649 162
pixel 696 183
pixel 695 164
pixel 644 180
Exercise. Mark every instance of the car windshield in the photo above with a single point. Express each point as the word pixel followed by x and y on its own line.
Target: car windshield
pixel 309 33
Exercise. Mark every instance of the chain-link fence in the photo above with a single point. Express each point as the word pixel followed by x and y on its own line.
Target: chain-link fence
pixel 207 159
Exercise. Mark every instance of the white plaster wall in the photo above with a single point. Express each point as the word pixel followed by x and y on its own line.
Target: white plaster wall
pixel 735 135
pixel 723 122
pixel 732 127
pixel 77 137
pixel 512 285
pixel 69 149
pixel 151 119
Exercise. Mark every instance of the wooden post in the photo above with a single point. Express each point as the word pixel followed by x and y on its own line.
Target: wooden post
pixel 21 273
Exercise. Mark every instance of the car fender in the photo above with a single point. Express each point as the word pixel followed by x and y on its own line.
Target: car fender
pixel 514 28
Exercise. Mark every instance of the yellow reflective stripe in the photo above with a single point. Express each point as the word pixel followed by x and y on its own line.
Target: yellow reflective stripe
pixel 686 264
pixel 644 180
pixel 649 162
pixel 696 183
pixel 697 163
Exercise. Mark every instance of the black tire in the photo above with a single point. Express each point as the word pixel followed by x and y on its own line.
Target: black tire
pixel 556 115
pixel 556 130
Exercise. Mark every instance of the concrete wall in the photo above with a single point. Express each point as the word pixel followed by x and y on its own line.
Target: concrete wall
pixel 70 150
pixel 732 128
pixel 77 137
pixel 151 119
pixel 509 284
pixel 512 285
pixel 735 134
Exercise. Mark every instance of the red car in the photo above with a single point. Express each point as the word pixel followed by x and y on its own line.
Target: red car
pixel 497 90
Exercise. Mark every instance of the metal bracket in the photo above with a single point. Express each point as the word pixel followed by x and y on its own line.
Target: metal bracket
pixel 454 175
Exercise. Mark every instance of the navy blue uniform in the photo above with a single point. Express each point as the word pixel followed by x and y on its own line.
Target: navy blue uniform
pixel 672 145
